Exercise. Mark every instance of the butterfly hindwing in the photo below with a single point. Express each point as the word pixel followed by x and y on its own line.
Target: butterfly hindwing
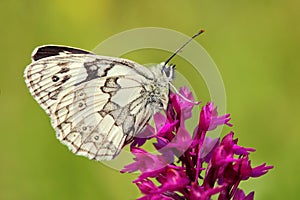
pixel 96 103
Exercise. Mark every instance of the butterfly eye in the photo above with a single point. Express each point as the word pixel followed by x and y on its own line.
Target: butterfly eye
pixel 168 71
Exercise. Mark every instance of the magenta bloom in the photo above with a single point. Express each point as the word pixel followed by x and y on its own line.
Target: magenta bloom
pixel 191 166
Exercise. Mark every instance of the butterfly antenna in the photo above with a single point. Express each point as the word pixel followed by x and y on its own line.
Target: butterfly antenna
pixel 180 48
pixel 174 54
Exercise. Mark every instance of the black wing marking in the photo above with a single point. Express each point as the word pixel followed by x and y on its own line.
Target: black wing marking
pixel 54 50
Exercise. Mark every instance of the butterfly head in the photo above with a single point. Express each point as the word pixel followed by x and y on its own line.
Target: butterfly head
pixel 168 71
pixel 159 95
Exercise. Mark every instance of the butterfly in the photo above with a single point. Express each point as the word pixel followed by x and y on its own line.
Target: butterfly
pixel 97 104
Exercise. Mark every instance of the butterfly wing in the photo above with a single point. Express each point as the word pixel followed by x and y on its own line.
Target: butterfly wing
pixel 96 103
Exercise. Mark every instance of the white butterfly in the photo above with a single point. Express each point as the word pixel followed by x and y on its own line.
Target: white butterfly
pixel 97 104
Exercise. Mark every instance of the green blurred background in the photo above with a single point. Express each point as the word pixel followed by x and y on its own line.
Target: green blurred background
pixel 255 44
